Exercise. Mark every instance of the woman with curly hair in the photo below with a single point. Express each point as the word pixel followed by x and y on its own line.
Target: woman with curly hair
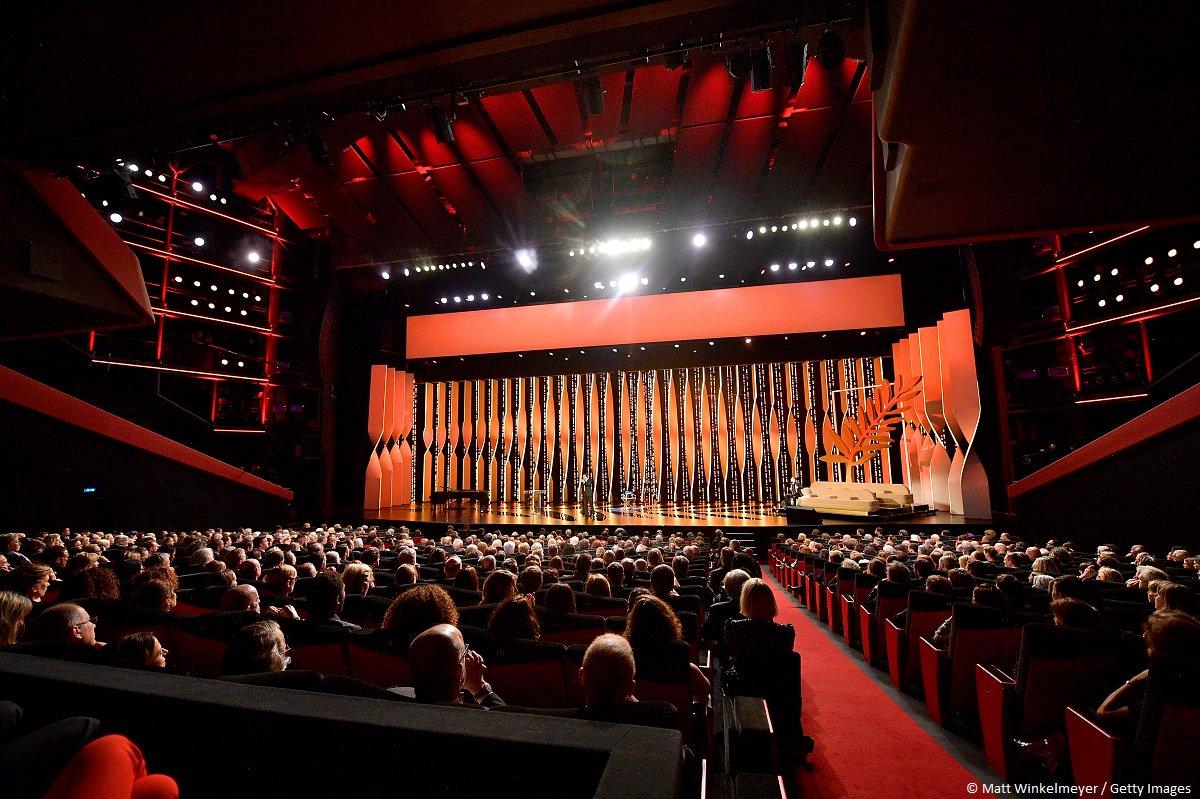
pixel 514 618
pixel 661 654
pixel 416 610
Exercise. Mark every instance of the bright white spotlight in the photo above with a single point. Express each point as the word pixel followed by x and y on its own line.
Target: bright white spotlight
pixel 133 167
pixel 406 272
pixel 627 282
pixel 853 221
pixel 253 257
pixel 749 234
pixel 470 298
pixel 1172 253
pixel 1096 278
pixel 837 220
pixel 212 197
pixel 699 240
pixel 257 298
pixel 241 364
pixel 224 361
pixel 195 302
pixel 762 228
pixel 1178 281
pixel 197 186
pixel 458 299
pixel 148 172
pixel 178 279
pixel 645 281
pixel 774 267
pixel 829 262
pixel 1119 298
pixel 1154 288
pixel 527 259
pixel 792 266
pixel 804 224
pixel 385 274
pixel 483 296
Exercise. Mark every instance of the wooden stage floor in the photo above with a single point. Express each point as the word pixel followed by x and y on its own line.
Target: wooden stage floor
pixel 662 516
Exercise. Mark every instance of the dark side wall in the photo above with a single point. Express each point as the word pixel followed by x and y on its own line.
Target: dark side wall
pixel 1143 495
pixel 47 464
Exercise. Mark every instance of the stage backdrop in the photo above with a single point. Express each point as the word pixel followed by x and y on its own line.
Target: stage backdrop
pixel 691 435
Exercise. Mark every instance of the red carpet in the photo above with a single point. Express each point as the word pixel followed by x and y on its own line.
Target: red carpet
pixel 867 745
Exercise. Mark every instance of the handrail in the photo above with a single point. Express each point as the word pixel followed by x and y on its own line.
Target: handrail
pixel 1184 407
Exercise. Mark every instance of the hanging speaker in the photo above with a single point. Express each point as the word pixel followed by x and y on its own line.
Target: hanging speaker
pixel 761 69
pixel 592 95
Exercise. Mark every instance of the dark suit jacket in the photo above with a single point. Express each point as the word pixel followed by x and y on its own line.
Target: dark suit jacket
pixel 718 614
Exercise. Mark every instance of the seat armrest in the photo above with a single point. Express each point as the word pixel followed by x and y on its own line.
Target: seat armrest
pixel 996 692
pixel 935 678
pixel 896 643
pixel 1097 756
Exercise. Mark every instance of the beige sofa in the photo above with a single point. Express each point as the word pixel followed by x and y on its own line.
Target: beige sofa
pixel 855 499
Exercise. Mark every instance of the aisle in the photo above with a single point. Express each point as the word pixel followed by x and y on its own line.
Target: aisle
pixel 867 744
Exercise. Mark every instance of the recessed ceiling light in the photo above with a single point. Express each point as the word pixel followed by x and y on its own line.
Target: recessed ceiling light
pixel 1154 287
pixel 853 221
pixel 699 240
pixel 762 228
pixel 178 279
pixel 483 296
pixel 195 302
pixel 253 257
pixel 224 361
pixel 747 341
pixel 1080 284
pixel 829 262
pixel 212 288
pixel 1102 303
pixel 197 186
pixel 116 218
pixel 792 265
pixel 212 197
pixel 257 298
pixel 231 291
pixel 1096 278
pixel 774 267
pixel 1171 253
pixel 241 363
pixel 1120 298
pixel 1178 281
pixel 750 235
pixel 837 220
pixel 133 167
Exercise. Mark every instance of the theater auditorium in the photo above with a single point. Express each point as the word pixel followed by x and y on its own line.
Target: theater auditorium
pixel 694 399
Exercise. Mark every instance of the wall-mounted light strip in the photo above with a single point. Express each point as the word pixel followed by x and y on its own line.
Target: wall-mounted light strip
pixel 238 430
pixel 175 370
pixel 1118 398
pixel 202 209
pixel 209 264
pixel 170 314
pixel 1145 314
pixel 1066 259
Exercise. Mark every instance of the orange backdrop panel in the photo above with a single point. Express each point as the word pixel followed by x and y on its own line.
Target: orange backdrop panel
pixel 846 304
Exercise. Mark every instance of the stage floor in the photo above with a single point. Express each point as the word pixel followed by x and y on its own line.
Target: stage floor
pixel 668 516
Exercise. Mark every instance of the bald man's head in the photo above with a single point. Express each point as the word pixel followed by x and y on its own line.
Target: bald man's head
pixel 436 656
pixel 607 672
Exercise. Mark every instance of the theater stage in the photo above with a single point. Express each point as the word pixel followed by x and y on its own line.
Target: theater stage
pixel 743 521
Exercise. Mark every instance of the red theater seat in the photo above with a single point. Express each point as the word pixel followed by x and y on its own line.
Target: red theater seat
pixel 926 611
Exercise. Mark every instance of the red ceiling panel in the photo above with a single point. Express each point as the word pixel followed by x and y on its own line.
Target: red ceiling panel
pixel 799 148
pixel 695 156
pixel 825 87
pixel 741 170
pixel 414 128
pixel 376 198
pixel 608 124
pixel 472 207
pixel 421 199
pixel 560 107
pixel 472 136
pixel 301 211
pixel 709 91
pixel 845 179
pixel 764 103
pixel 392 158
pixel 349 166
pixel 515 121
pixel 653 106
pixel 504 185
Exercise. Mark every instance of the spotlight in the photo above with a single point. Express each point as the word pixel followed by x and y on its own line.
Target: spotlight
pixel 133 167
pixel 792 266
pixel 224 361
pixel 825 222
pixel 212 288
pixel 1154 288
pixel 243 312
pixel 747 341
pixel 804 224
pixel 257 298
pixel 1096 278
pixel 774 228
pixel 598 284
pixel 483 296
pixel 645 281
pixel 527 259
pixel 195 302
pixel 749 234
pixel 212 197
pixel 228 309
pixel 533 294
pixel 699 240
pixel 1080 284
pixel 196 283
pixel 199 241
pixel 253 257
pixel 829 262
pixel 406 272
pixel 212 307
pixel 762 228
pixel 162 178
pixel 241 364
pixel 774 267
pixel 1178 281
pixel 444 300
pixel 837 220
pixel 385 274
pixel 1102 303
pixel 761 71
pixel 178 279
pixel 440 120
pixel 470 298
pixel 232 292
pixel 1172 253
pixel 627 282
pixel 116 218
pixel 796 59
pixel 831 49
pixel 591 93
pixel 811 264
pixel 458 299
pixel 1148 261
pixel 853 221
pixel 197 186
pixel 1120 298
pixel 571 254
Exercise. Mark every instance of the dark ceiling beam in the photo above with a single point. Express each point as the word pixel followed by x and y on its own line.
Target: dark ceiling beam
pixel 836 128
pixel 397 203
pixel 735 100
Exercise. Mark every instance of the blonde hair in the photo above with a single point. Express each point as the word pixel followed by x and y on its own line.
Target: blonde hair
pixel 757 600
pixel 13 610
pixel 355 577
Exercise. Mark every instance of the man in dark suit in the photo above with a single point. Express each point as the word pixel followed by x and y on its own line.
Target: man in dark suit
pixel 728 608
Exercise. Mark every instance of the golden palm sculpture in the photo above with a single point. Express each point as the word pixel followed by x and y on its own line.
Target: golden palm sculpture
pixel 862 440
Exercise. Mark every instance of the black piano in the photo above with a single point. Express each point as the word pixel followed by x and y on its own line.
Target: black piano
pixel 442 497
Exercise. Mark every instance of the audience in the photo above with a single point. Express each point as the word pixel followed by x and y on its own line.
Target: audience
pixel 14 609
pixel 446 671
pixel 255 649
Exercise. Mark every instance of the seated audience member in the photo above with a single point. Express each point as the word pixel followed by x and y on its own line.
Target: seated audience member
pixel 597 585
pixel 467 579
pixel 939 584
pixel 31 580
pixel 278 584
pixel 499 586
pixel 357 579
pixel 756 641
pixel 416 610
pixel 654 633
pixel 241 598
pixel 107 768
pixel 1107 574
pixel 255 649
pixel 65 623
pixel 1076 614
pixel 155 596
pixel 987 596
pixel 14 609
pixel 721 612
pixel 662 581
pixel 1145 575
pixel 446 671
pixel 249 571
pixel 1174 596
pixel 514 618
pixel 608 681
pixel 326 594
pixel 406 574
pixel 144 649
pixel 897 574
pixel 529 581
pixel 1168 633
pixel 1011 588
pixel 615 572
pixel 560 599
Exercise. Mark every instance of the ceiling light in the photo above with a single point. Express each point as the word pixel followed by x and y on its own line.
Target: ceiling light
pixel 571 253
pixel 762 228
pixel 212 307
pixel 385 274
pixel 1172 253
pixel 794 226
pixel 774 228
pixel 676 346
pixel 863 333
pixel 1178 281
pixel 257 298
pixel 711 343
pixel 747 341
pixel 195 302
pixel 197 186
pixel 627 282
pixel 774 267
pixel 1102 303
pixel 196 283
pixel 1154 287
pixel 116 218
pixel 198 241
pixel 444 300
pixel 1120 298
pixel 212 197
pixel 241 363
pixel 1149 260
pixel 814 222
pixel 1080 284
pixel 825 222
pixel 253 257
pixel 178 279
pixel 566 291
pixel 645 281
pixel 683 280
pixel 749 234
pixel 458 299
pixel 162 178
pixel 527 259
pixel 228 309
pixel 699 240
pixel 837 220
pixel 133 167
pixel 243 312
pixel 1196 245
pixel 148 172
pixel 829 262
pixel 721 276
pixel 224 361
pixel 792 266
pixel 853 221
pixel 804 224
pixel 483 296
pixel 811 264
pixel 1096 278
pixel 533 294
pixel 212 287
pixel 598 284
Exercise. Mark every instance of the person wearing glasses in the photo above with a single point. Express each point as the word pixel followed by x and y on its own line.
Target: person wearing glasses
pixel 446 671
pixel 66 623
